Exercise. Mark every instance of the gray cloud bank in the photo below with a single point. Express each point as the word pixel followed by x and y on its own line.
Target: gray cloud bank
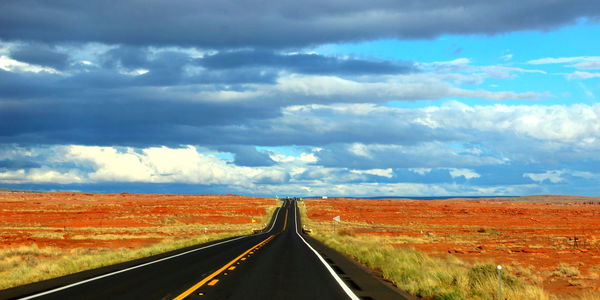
pixel 234 24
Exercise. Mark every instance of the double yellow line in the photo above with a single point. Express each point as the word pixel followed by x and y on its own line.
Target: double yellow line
pixel 219 271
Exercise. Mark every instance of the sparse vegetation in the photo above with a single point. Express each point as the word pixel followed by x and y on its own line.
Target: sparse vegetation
pixel 564 270
pixel 31 263
pixel 429 277
pixel 159 223
pixel 530 240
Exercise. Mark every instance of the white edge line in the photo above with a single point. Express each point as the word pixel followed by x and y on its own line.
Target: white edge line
pixel 142 265
pixel 274 221
pixel 337 278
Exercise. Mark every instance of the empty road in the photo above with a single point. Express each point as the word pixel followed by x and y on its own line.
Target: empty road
pixel 278 264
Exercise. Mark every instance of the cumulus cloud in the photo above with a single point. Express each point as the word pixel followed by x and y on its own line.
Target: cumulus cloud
pixel 157 165
pixel 95 164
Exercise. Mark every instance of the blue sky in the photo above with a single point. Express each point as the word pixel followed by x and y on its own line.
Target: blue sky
pixel 403 98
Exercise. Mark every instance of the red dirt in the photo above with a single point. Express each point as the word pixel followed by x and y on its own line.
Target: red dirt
pixel 538 232
pixel 79 220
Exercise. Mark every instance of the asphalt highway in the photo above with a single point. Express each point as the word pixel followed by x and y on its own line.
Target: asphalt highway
pixel 280 263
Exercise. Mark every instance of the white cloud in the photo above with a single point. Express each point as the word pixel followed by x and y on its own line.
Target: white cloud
pixel 569 124
pixel 398 189
pixel 588 65
pixel 553 176
pixel 166 165
pixel 377 172
pixel 563 60
pixel 40 175
pixel 583 174
pixel 360 150
pixel 11 65
pixel 556 176
pixel 420 171
pixel 295 88
pixel 466 173
pixel 506 57
pixel 291 159
pixel 134 72
pixel 453 137
pixel 582 75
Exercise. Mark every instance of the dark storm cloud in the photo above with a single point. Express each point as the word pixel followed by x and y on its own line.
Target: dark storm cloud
pixel 18 164
pixel 248 156
pixel 40 54
pixel 139 121
pixel 167 67
pixel 303 63
pixel 126 56
pixel 233 24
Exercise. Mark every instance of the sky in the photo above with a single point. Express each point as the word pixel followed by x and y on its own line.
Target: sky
pixel 338 98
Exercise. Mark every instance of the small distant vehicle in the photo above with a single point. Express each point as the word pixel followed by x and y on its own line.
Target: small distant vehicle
pixel 306 230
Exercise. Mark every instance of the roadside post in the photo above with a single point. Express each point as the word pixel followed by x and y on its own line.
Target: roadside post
pixel 499 267
pixel 336 219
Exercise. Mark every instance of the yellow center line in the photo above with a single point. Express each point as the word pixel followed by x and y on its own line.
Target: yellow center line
pixel 213 282
pixel 217 272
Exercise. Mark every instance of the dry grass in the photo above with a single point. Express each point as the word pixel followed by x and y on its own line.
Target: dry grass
pixel 28 264
pixel 565 270
pixel 422 275
pixel 429 277
pixel 31 263
pixel 529 239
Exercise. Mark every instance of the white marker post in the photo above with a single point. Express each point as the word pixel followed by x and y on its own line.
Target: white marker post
pixel 337 220
pixel 499 267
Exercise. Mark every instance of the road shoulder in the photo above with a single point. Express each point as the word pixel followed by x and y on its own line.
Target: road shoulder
pixel 366 283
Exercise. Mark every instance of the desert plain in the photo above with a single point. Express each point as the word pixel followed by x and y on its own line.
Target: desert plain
pixel 44 235
pixel 551 241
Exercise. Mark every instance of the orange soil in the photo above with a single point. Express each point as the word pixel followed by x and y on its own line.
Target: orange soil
pixel 72 220
pixel 531 232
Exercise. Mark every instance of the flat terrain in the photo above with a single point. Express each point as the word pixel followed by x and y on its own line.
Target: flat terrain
pixel 552 241
pixel 279 263
pixel 44 234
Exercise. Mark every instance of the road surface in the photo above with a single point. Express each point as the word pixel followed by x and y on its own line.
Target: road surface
pixel 278 264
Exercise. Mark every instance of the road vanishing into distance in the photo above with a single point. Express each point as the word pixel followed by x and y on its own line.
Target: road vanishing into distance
pixel 280 263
